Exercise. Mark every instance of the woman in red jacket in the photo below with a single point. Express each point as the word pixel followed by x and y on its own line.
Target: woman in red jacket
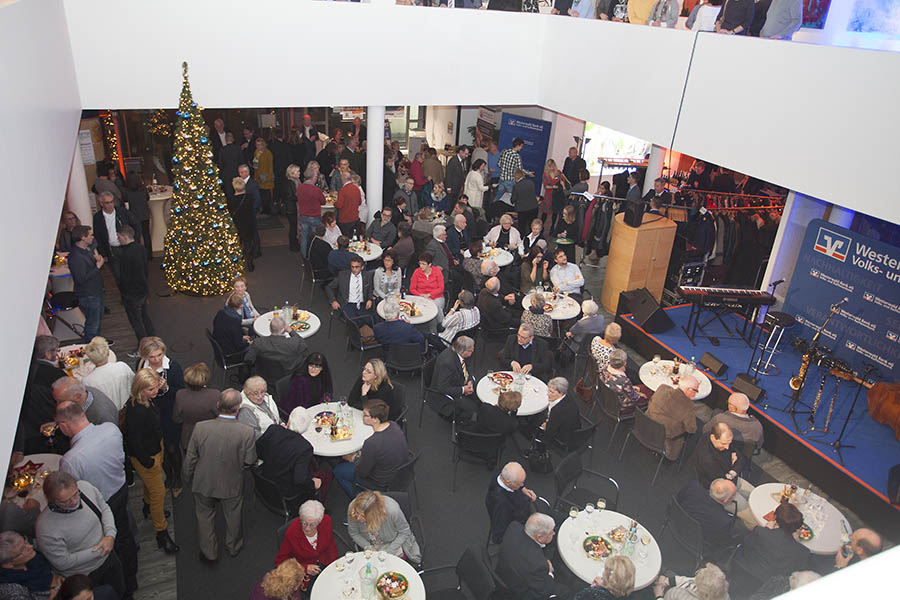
pixel 310 541
pixel 428 281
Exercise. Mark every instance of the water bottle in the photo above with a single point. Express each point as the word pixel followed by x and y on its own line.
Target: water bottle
pixel 287 311
pixel 692 366
pixel 368 575
pixel 154 180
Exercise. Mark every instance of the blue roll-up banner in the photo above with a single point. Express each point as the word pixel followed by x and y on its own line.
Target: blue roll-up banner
pixel 536 135
pixel 836 263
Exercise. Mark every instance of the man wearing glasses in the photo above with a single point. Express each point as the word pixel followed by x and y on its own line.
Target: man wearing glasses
pixel 674 408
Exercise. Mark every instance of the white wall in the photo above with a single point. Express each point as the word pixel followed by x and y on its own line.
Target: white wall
pixel 437 118
pixel 39 116
pixel 799 211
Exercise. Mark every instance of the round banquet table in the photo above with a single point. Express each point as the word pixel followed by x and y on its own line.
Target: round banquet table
pixel 819 514
pixel 41 463
pixel 534 394
pixel 654 380
pixel 500 256
pixel 262 322
pixel 324 445
pixel 427 308
pixel 332 583
pixel 85 366
pixel 564 307
pixel 374 252
pixel 647 559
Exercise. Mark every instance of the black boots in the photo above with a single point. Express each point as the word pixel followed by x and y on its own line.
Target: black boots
pixel 165 542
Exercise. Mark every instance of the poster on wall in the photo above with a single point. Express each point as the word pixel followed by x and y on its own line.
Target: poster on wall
pixel 486 124
pixel 815 13
pixel 875 16
pixel 536 135
pixel 834 264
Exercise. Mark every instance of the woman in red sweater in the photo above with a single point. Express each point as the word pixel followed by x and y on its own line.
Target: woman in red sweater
pixel 309 540
pixel 428 281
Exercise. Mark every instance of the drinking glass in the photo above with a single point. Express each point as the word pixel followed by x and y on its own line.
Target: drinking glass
pixel 573 512
pixel 381 556
pixel 601 505
pixel 656 359
pixel 350 557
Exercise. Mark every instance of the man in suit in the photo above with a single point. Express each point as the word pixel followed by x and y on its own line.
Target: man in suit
pixel 458 238
pixel 287 457
pixel 308 130
pixel 452 378
pixel 746 428
pixel 219 451
pixel 218 139
pixel 527 354
pixel 634 187
pixel 440 250
pixel 248 144
pixel 508 500
pixel 716 458
pixel 522 566
pixel 573 165
pixel 319 251
pixel 230 158
pixel 39 406
pixel 283 347
pixel 394 330
pixel 707 505
pixel 281 158
pixel 525 201
pixel 495 312
pixel 455 175
pixel 562 417
pixel 658 193
pixel 133 283
pixel 352 291
pixel 107 222
pixel 769 551
pixel 673 407
pixel 227 329
pixel 252 188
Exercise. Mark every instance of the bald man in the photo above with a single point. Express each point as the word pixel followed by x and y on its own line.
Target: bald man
pixel 508 500
pixel 96 405
pixel 863 544
pixel 746 428
pixel 708 506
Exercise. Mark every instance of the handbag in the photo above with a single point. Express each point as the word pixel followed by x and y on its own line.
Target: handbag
pixel 539 460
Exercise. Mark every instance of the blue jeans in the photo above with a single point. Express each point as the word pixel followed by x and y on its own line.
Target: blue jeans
pixel 307 224
pixel 92 307
pixel 345 475
pixel 503 187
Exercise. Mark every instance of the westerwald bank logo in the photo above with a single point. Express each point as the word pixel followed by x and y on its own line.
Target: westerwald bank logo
pixel 832 244
pixel 850 345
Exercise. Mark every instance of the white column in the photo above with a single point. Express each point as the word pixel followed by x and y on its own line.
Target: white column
pixel 78 198
pixel 841 216
pixel 374 158
pixel 655 166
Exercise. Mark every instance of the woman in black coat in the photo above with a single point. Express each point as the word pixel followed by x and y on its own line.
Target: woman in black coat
pixel 375 383
pixel 138 200
pixel 242 213
pixel 500 418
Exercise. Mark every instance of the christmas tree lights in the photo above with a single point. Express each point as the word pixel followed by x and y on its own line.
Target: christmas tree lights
pixel 202 250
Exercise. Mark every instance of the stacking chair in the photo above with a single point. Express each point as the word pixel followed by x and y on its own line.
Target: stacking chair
pixel 652 436
pixel 405 476
pixel 271 497
pixel 222 360
pixel 269 370
pixel 581 439
pixel 491 336
pixel 415 523
pixel 609 404
pixel 429 392
pixel 307 273
pixel 484 448
pixel 281 388
pixel 686 530
pixel 355 341
pixel 400 398
pixel 473 578
pixel 568 492
pixel 405 358
pixel 582 354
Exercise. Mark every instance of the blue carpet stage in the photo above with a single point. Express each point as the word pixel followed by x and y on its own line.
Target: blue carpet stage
pixel 861 482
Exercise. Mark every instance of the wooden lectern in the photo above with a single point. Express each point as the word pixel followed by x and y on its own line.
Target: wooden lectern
pixel 638 257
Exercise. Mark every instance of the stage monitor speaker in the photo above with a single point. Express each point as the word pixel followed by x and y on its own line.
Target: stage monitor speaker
pixel 634 213
pixel 743 384
pixel 713 364
pixel 646 310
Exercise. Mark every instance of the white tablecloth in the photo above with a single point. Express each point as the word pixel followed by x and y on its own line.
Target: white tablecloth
pixel 44 462
pixel 261 325
pixel 819 514
pixel 647 558
pixel 324 446
pixel 498 255
pixel 534 395
pixel 331 582
pixel 85 366
pixel 374 251
pixel 427 308
pixel 563 307
pixel 654 380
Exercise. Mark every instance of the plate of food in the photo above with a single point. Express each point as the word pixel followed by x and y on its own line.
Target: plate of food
pixel 299 326
pixel 548 307
pixel 805 533
pixel 409 308
pixel 618 534
pixel 326 417
pixel 392 585
pixel 597 547
pixel 501 379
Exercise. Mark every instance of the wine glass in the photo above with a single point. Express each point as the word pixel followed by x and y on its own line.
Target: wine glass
pixel 350 557
pixel 601 505
pixel 589 510
pixel 656 359
pixel 573 512
pixel 381 556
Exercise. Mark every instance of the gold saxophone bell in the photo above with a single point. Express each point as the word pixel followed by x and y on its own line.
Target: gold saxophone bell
pixel 796 383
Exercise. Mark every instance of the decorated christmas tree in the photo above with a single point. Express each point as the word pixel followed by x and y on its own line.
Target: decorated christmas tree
pixel 202 250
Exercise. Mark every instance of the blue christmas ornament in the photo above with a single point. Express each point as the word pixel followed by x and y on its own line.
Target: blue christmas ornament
pixel 175 160
pixel 210 171
pixel 203 140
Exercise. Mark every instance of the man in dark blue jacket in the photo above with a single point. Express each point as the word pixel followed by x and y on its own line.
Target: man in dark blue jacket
pixel 394 331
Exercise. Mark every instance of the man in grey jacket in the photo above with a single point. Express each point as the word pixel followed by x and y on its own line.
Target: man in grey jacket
pixel 219 451
pixel 783 19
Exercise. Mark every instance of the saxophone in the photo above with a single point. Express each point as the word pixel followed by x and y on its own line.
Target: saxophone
pixel 798 380
pixel 800 377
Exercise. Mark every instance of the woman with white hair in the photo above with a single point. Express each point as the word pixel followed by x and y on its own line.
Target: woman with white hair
pixel 590 324
pixel 309 539
pixel 112 378
pixel 615 378
pixel 708 583
pixel 376 522
pixel 258 408
pixel 504 235
pixel 288 460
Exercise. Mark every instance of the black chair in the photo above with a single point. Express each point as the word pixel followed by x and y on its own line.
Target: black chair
pixel 268 369
pixel 222 360
pixel 271 497
pixel 427 377
pixel 279 535
pixel 473 578
pixel 281 387
pixel 566 476
pixel 472 332
pixel 609 404
pixel 652 436
pixel 486 448
pixel 492 336
pixel 356 342
pixel 686 530
pixel 583 353
pixel 581 439
pixel 405 358
pixel 308 273
pixel 400 399
pixel 405 476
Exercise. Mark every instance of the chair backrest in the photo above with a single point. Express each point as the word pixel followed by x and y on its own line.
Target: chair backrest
pixel 282 531
pixel 474 575
pixel 584 349
pixel 403 356
pixel 401 498
pixel 268 369
pixel 404 474
pixel 306 267
pixel 648 432
pixel 567 472
pixel 472 333
pixel 218 354
pixel 686 530
pixel 282 386
pixel 581 438
pixel 466 280
pixel 268 494
pixel 608 401
pixel 353 334
pixel 483 444
pixel 428 371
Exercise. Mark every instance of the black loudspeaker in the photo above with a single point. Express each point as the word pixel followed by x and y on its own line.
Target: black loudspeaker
pixel 646 310
pixel 634 213
pixel 894 484
pixel 744 385
pixel 713 364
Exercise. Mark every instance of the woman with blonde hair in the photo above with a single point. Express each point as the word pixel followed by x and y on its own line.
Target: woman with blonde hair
pixel 289 202
pixel 376 522
pixel 284 582
pixel 602 346
pixel 248 312
pixel 374 382
pixel 144 447
pixel 617 581
pixel 553 194
pixel 111 377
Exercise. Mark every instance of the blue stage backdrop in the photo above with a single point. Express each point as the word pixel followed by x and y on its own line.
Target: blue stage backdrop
pixel 536 135
pixel 836 263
